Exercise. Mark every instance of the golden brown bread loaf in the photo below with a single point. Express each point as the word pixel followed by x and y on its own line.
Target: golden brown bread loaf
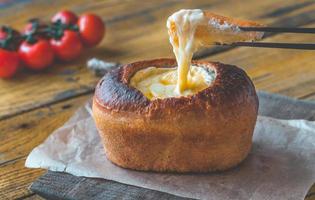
pixel 208 131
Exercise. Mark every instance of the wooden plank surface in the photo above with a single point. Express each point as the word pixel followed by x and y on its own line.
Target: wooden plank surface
pixel 56 185
pixel 34 104
pixel 148 35
pixel 25 132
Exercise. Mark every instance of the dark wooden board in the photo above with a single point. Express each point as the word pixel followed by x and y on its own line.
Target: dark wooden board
pixel 57 185
pixel 54 185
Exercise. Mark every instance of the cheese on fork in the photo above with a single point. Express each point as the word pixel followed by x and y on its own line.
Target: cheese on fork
pixel 181 28
pixel 189 30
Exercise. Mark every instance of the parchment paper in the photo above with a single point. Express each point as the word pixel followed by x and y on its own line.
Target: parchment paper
pixel 281 164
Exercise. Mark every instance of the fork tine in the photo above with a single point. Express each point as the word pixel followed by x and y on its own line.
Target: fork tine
pixel 279 29
pixel 275 45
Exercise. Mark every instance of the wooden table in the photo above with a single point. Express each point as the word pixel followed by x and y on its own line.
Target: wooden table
pixel 32 105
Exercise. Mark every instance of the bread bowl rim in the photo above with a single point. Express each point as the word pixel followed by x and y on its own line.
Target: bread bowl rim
pixel 114 93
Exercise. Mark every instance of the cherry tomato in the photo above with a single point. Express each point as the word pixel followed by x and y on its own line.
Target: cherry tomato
pixel 68 47
pixel 92 29
pixel 36 56
pixel 66 17
pixel 9 63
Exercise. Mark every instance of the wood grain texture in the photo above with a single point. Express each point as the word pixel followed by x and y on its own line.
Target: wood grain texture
pixel 34 104
pixel 15 179
pixel 311 193
pixel 67 187
pixel 19 135
pixel 31 197
pixel 134 33
pixel 29 129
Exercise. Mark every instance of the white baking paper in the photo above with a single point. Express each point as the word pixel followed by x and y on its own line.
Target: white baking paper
pixel 281 164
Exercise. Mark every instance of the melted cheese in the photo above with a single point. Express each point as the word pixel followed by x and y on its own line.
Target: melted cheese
pixel 188 30
pixel 156 82
pixel 181 28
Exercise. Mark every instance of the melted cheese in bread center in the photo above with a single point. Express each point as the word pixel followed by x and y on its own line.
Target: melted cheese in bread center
pixel 161 83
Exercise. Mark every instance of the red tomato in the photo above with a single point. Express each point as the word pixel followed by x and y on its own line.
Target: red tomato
pixel 92 29
pixel 9 63
pixel 68 47
pixel 36 56
pixel 66 17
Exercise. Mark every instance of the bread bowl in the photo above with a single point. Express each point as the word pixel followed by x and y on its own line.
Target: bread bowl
pixel 206 131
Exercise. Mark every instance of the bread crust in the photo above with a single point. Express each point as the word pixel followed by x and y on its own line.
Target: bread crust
pixel 241 36
pixel 208 131
pixel 230 20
